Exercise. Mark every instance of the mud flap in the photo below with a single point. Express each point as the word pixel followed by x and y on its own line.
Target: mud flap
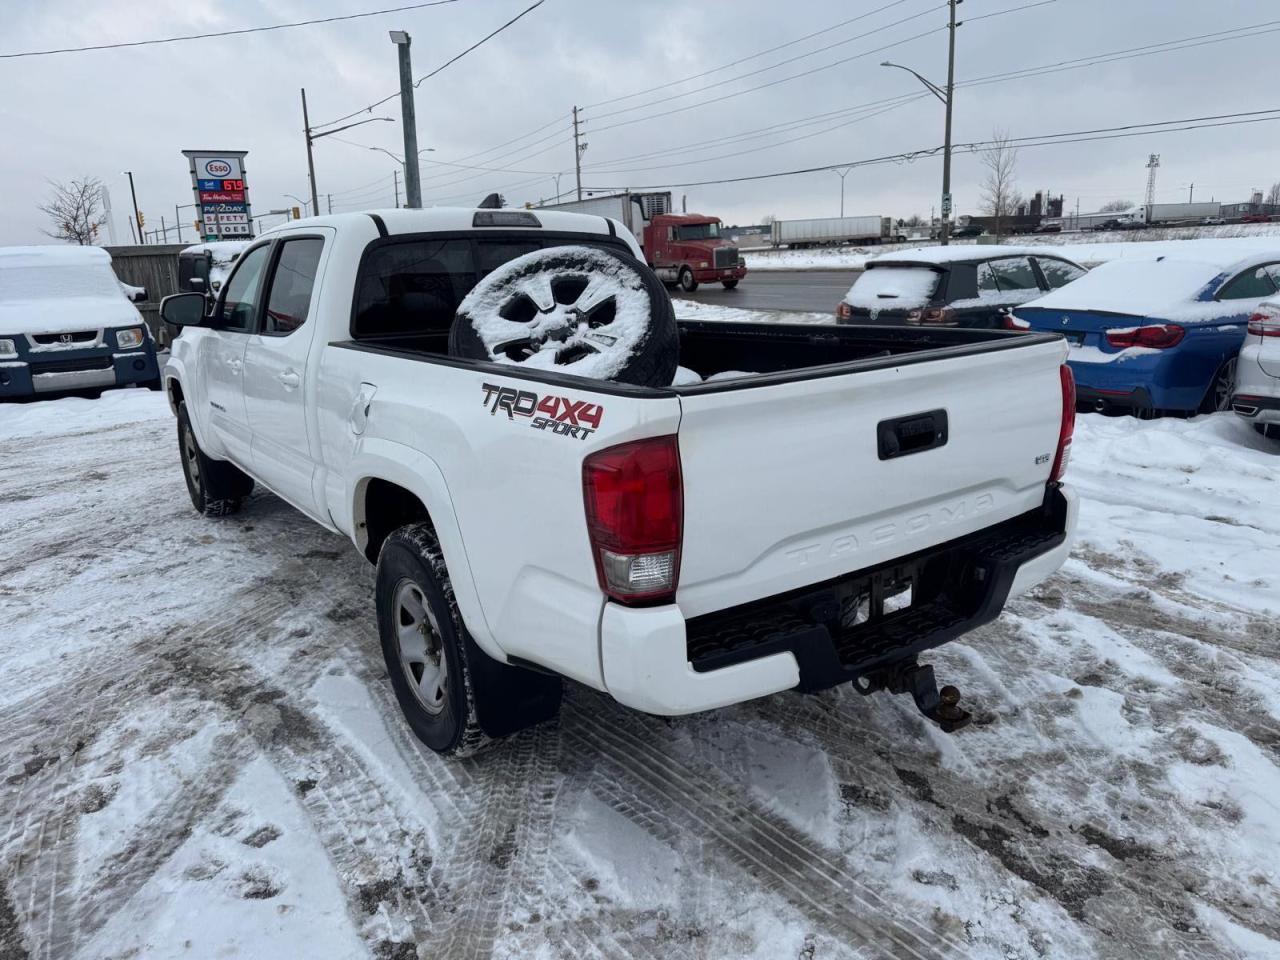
pixel 508 698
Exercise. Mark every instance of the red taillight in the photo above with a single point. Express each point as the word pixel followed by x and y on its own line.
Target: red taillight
pixel 635 518
pixel 1015 323
pixel 1067 428
pixel 938 315
pixel 844 311
pixel 1158 335
pixel 1265 325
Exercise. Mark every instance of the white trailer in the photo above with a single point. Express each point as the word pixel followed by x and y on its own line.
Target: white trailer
pixel 830 231
pixel 1176 212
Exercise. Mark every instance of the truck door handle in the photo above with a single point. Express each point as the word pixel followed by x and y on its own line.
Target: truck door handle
pixel 912 434
pixel 290 379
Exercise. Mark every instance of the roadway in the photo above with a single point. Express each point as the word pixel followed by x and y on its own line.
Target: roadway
pixel 802 290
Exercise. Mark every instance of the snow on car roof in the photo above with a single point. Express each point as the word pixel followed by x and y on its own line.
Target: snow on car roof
pixel 50 254
pixel 963 253
pixel 222 251
pixel 1139 287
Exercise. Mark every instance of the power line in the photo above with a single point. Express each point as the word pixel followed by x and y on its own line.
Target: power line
pixel 781 63
pixel 463 166
pixel 225 33
pixel 452 60
pixel 750 56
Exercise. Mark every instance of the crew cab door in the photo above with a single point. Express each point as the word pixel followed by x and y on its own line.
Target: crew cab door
pixel 221 353
pixel 275 370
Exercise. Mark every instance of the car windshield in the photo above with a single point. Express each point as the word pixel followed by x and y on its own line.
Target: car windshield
pixel 58 281
pixel 698 231
pixel 893 288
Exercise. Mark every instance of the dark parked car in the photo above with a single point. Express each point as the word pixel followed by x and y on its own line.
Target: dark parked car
pixel 973 230
pixel 953 286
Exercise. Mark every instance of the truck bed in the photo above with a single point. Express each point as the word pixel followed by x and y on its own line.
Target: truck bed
pixel 774 352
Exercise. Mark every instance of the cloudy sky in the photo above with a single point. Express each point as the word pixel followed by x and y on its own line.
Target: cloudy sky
pixel 626 63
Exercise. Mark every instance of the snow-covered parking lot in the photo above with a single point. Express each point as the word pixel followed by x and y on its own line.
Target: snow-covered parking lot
pixel 200 756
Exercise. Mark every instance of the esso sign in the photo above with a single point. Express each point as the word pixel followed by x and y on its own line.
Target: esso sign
pixel 217 168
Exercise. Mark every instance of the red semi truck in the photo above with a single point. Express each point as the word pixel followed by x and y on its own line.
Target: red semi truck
pixel 682 248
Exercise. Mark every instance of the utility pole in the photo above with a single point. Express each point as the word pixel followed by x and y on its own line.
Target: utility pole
pixel 946 148
pixel 177 218
pixel 412 188
pixel 329 197
pixel 311 163
pixel 395 183
pixel 578 148
pixel 137 217
pixel 842 175
pixel 1153 164
pixel 1191 192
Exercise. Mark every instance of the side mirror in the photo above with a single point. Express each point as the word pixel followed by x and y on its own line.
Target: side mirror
pixel 183 309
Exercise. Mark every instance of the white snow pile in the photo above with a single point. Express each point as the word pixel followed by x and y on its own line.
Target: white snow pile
pixel 610 346
pixel 697 310
pixel 60 289
pixel 892 288
pixel 200 755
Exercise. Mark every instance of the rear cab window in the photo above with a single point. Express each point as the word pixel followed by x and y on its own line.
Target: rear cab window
pixel 410 286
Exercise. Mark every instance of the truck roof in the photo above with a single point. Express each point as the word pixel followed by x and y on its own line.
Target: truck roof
pixel 398 221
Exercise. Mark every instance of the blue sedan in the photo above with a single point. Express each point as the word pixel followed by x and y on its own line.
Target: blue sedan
pixel 1156 336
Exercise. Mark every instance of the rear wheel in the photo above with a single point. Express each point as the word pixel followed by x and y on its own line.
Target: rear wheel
pixel 687 283
pixel 217 488
pixel 729 284
pixel 1218 397
pixel 455 698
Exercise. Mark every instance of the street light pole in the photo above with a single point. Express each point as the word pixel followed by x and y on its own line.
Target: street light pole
pixel 946 96
pixel 412 187
pixel 946 149
pixel 311 163
pixel 137 219
pixel 842 176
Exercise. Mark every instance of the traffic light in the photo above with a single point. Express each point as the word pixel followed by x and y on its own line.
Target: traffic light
pixel 142 219
pixel 297 214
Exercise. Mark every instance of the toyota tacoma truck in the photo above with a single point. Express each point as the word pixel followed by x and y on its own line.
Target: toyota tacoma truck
pixel 861 496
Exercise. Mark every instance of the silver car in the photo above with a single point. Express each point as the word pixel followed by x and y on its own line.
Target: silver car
pixel 1256 395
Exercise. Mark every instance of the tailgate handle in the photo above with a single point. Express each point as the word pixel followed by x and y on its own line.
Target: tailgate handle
pixel 904 435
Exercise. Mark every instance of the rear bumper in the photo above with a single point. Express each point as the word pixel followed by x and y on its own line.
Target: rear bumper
pixel 656 661
pixel 1256 396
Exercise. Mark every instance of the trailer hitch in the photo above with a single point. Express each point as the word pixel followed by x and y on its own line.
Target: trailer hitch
pixel 909 676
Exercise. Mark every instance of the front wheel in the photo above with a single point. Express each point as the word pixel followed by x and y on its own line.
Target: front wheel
pixel 217 488
pixel 687 283
pixel 729 284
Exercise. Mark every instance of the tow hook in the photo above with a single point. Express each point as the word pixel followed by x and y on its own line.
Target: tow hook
pixel 940 706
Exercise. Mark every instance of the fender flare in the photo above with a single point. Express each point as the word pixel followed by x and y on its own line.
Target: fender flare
pixel 375 458
pixel 175 371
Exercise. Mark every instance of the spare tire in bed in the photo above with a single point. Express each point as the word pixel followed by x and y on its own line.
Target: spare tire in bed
pixel 583 310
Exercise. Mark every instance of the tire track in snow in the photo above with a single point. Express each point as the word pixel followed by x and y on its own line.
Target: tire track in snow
pixel 810 877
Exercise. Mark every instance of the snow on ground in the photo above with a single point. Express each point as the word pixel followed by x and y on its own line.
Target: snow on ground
pixel 200 755
pixel 1086 248
pixel 696 310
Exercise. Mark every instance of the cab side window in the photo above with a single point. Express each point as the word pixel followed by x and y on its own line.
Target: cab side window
pixel 294 278
pixel 240 305
pixel 1014 274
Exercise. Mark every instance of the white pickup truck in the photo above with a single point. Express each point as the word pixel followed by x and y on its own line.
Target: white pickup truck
pixel 864 495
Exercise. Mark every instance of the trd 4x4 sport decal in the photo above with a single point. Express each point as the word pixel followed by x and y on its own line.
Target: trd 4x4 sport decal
pixel 569 418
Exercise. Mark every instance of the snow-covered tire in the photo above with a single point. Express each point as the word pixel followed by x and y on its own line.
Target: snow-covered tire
pixel 456 699
pixel 582 310
pixel 687 283
pixel 730 284
pixel 217 488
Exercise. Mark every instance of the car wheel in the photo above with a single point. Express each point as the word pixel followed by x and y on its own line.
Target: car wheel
pixel 217 488
pixel 687 283
pixel 1218 397
pixel 455 698
pixel 582 310
pixel 729 284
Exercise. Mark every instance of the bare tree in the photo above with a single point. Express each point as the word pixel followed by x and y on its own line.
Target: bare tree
pixel 1116 206
pixel 76 209
pixel 1000 196
pixel 1273 195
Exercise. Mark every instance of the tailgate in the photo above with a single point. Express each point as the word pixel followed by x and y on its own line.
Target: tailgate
pixel 784 484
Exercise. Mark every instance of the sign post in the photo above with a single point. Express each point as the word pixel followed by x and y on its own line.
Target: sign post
pixel 221 194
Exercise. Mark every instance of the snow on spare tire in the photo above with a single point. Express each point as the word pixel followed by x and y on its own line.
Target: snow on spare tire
pixel 582 310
